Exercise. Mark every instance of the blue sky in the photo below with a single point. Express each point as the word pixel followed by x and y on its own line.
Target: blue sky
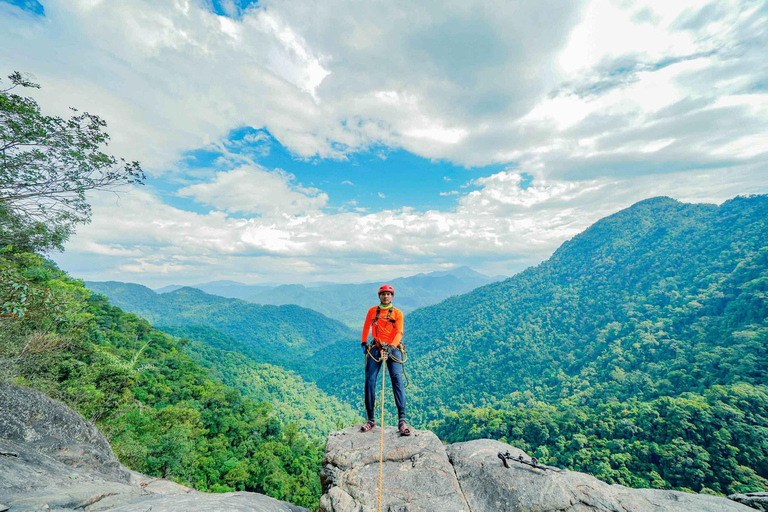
pixel 359 180
pixel 347 141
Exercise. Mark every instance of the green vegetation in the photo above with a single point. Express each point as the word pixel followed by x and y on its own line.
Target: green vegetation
pixel 282 335
pixel 716 442
pixel 162 412
pixel 637 352
pixel 47 164
pixel 292 399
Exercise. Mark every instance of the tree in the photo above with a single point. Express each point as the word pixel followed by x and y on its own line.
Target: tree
pixel 47 164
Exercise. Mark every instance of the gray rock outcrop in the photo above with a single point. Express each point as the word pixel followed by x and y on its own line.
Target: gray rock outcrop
pixel 756 500
pixel 417 475
pixel 489 486
pixel 420 474
pixel 52 459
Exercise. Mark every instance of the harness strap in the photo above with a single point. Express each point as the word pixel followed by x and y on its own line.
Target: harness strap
pixel 389 318
pixel 375 322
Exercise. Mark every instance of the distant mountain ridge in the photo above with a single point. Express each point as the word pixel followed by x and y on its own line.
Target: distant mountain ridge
pixel 280 335
pixel 636 352
pixel 659 261
pixel 349 302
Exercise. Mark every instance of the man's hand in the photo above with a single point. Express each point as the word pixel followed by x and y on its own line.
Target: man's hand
pixel 365 347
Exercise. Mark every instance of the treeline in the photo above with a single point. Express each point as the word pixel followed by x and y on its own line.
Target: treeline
pixel 293 399
pixel 713 443
pixel 161 411
pixel 283 335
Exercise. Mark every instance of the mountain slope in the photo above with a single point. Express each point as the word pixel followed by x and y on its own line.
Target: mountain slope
pixel 636 352
pixel 162 412
pixel 293 400
pixel 661 298
pixel 275 334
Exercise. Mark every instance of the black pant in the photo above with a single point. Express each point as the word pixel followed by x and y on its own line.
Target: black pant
pixel 372 381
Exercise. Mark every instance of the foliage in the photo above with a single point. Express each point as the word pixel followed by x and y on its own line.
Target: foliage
pixel 293 400
pixel 282 335
pixel 162 412
pixel 47 165
pixel 637 352
pixel 716 441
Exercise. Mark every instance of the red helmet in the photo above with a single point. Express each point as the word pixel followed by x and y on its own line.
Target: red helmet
pixel 386 288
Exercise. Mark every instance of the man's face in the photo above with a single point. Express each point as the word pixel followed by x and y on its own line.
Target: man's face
pixel 386 297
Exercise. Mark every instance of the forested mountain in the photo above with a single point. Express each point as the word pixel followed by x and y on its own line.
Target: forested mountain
pixel 637 351
pixel 282 335
pixel 348 303
pixel 162 412
pixel 658 299
pixel 293 400
pixel 229 289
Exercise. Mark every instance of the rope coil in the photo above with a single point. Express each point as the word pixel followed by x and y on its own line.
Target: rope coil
pixel 392 357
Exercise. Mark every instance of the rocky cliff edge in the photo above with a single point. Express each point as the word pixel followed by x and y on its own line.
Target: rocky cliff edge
pixel 420 474
pixel 51 459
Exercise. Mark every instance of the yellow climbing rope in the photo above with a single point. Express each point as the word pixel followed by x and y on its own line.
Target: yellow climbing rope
pixel 381 437
pixel 383 359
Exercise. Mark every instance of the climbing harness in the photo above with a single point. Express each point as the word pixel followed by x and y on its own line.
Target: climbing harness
pixel 375 321
pixel 534 462
pixel 375 328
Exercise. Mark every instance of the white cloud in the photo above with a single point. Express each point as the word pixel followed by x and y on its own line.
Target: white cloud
pixel 254 189
pixel 450 193
pixel 381 195
pixel 501 226
pixel 603 103
pixel 462 81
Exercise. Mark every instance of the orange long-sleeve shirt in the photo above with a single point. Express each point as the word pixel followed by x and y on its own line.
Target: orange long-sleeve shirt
pixel 384 331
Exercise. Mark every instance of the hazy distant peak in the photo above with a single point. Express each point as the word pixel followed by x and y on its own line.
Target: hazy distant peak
pixel 223 282
pixel 463 272
pixel 169 288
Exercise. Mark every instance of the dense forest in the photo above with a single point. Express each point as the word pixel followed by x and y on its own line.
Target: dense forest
pixel 642 337
pixel 659 299
pixel 284 335
pixel 636 353
pixel 293 400
pixel 162 412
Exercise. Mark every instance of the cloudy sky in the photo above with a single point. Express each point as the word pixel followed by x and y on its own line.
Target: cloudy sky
pixel 338 140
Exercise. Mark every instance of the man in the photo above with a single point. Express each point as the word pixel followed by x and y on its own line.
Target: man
pixel 385 324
